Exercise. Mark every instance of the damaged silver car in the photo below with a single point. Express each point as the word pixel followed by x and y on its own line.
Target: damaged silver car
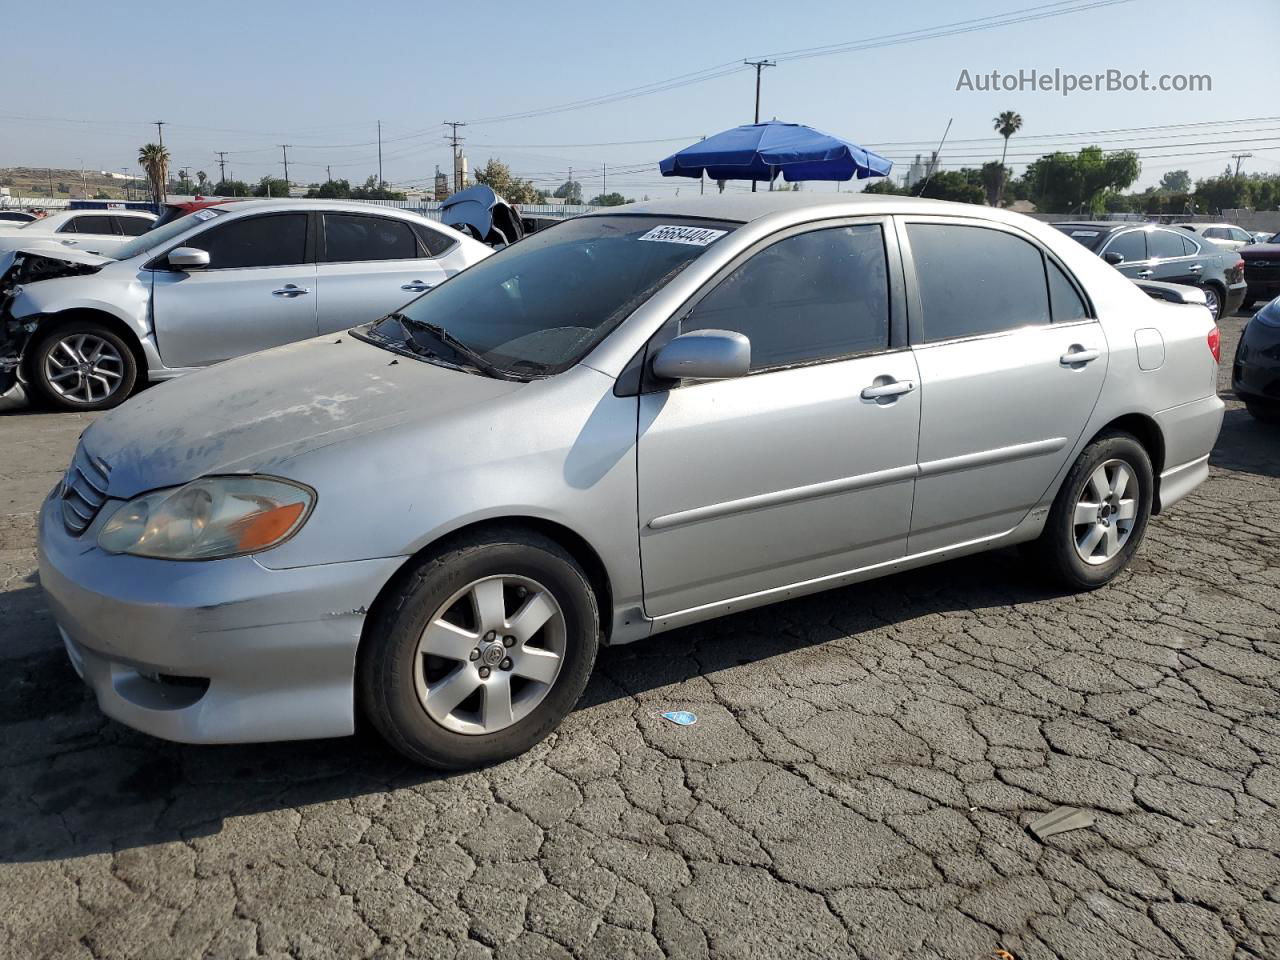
pixel 83 330
pixel 633 421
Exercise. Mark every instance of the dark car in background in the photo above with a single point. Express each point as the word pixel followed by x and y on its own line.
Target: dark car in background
pixel 1145 251
pixel 1262 270
pixel 1255 374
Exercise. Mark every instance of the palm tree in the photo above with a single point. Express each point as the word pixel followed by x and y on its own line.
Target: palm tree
pixel 1006 124
pixel 202 180
pixel 154 160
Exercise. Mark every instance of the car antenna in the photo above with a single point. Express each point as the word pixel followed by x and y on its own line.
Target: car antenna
pixel 936 154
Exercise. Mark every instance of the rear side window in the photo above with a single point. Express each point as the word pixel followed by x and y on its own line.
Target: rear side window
pixel 975 281
pixel 815 296
pixel 271 240
pixel 436 242
pixel 1189 247
pixel 1132 245
pixel 133 226
pixel 1063 298
pixel 1163 245
pixel 96 223
pixel 352 238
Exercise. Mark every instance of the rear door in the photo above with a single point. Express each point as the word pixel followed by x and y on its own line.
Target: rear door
pixel 790 473
pixel 1173 256
pixel 1011 364
pixel 257 292
pixel 370 265
pixel 91 232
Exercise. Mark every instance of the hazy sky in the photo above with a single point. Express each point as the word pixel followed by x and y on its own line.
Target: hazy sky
pixel 245 77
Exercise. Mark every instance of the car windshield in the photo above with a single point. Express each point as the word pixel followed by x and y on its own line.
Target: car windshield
pixel 537 307
pixel 163 234
pixel 1090 237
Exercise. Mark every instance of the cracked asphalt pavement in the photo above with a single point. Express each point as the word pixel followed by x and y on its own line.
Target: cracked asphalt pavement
pixel 858 784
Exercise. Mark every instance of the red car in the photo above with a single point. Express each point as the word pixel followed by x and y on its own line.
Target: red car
pixel 172 211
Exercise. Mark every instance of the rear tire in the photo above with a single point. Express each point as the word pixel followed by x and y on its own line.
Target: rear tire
pixel 1216 300
pixel 83 365
pixel 1263 413
pixel 1098 518
pixel 451 630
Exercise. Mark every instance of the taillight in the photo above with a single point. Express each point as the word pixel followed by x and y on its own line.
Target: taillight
pixel 1215 344
pixel 1238 270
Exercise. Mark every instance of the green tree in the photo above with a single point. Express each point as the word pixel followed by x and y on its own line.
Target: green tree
pixel 372 189
pixel 154 160
pixel 331 190
pixel 498 177
pixel 1075 183
pixel 570 191
pixel 1006 124
pixel 102 195
pixel 885 186
pixel 231 188
pixel 609 200
pixel 270 186
pixel 1176 181
pixel 957 185
pixel 993 178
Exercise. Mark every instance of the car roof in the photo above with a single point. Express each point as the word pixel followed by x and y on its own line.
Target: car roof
pixel 746 207
pixel 1202 226
pixel 282 204
pixel 1102 224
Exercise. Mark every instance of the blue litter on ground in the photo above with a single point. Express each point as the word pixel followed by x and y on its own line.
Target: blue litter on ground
pixel 682 717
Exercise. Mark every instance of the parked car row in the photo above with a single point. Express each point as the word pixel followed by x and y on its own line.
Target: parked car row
pixel 93 231
pixel 1145 251
pixel 636 420
pixel 224 280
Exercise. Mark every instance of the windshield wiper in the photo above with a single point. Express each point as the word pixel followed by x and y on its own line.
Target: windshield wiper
pixel 449 340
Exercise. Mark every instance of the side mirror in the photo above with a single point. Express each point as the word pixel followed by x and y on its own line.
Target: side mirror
pixel 188 258
pixel 704 355
pixel 1113 258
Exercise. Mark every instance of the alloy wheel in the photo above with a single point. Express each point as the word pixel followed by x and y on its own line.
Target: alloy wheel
pixel 490 654
pixel 84 368
pixel 1105 512
pixel 1212 302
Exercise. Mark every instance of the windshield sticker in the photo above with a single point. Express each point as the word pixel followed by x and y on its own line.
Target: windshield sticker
pixel 694 236
pixel 205 214
pixel 1084 233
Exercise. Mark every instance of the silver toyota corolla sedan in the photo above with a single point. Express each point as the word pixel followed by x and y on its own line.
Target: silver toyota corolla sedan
pixel 630 422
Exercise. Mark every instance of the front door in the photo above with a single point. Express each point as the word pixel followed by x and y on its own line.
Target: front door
pixel 258 291
pixel 790 473
pixel 369 266
pixel 1011 365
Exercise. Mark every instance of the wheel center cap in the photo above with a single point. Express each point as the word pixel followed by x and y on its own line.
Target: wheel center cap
pixel 493 654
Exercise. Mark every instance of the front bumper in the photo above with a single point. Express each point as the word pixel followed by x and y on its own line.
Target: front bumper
pixel 219 651
pixel 1263 282
pixel 1255 371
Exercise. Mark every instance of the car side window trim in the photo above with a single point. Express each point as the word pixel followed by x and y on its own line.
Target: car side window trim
pixel 915 305
pixel 897 339
pixel 161 260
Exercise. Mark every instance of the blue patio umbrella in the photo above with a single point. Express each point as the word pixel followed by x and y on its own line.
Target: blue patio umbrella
pixel 760 151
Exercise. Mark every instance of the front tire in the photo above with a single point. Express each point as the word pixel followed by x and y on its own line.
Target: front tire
pixel 481 650
pixel 1100 514
pixel 83 365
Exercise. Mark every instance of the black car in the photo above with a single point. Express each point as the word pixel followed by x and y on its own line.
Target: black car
pixel 1144 251
pixel 1262 270
pixel 1255 375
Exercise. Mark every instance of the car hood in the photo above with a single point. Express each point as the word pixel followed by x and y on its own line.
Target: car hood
pixel 255 413
pixel 37 261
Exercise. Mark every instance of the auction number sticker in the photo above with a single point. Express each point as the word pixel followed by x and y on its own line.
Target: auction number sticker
pixel 695 236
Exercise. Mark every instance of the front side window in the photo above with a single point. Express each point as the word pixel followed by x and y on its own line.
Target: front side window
pixel 99 224
pixel 539 306
pixel 1240 235
pixel 270 240
pixel 353 238
pixel 974 280
pixel 1164 245
pixel 811 297
pixel 1132 245
pixel 163 233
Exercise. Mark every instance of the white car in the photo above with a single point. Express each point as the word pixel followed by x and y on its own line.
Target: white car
pixel 218 283
pixel 93 231
pixel 1223 234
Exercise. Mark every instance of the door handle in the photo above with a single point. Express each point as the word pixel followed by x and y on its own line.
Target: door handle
pixel 894 388
pixel 1078 355
pixel 70 243
pixel 290 290
pixel 1144 273
pixel 1195 268
pixel 416 286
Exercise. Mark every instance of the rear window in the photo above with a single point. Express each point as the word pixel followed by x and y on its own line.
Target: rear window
pixel 1090 237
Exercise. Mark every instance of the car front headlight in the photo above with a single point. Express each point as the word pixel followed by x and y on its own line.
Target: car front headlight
pixel 209 519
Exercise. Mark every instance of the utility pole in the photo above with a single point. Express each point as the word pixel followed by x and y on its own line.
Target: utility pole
pixel 49 170
pixel 222 165
pixel 604 178
pixel 1237 157
pixel 759 65
pixel 379 153
pixel 454 139
pixel 284 147
pixel 159 131
pixel 328 173
pixel 128 184
pixel 84 184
